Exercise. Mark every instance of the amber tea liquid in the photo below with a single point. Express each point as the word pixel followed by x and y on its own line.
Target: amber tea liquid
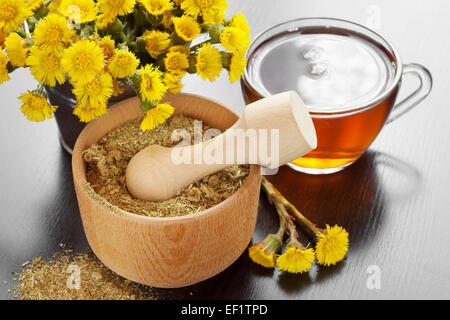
pixel 335 72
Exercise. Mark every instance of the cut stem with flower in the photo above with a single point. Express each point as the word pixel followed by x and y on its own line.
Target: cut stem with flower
pixel 264 252
pixel 296 257
pixel 99 46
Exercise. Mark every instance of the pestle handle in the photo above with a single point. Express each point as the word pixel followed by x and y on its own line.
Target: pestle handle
pixel 271 132
pixel 286 113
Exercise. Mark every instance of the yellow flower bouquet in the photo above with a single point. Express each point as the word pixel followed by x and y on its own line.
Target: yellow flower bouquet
pixel 101 46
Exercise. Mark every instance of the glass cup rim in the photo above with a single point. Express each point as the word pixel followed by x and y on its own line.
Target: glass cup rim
pixel 371 34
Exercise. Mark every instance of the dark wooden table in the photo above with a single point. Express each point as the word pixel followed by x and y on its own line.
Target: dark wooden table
pixel 394 201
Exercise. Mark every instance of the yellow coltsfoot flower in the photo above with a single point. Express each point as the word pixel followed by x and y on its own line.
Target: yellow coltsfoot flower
pixel 332 245
pixel 156 7
pixel 151 85
pixel 234 40
pixel 156 42
pixel 117 89
pixel 104 21
pixel 80 11
pixel 86 112
pixel 17 50
pixel 208 62
pixel 123 64
pixel 236 67
pixel 35 107
pixel 4 73
pixel 167 19
pixel 156 116
pixel 240 22
pixel 182 49
pixel 3 36
pixel 215 18
pixel 53 33
pixel 296 258
pixel 113 8
pixel 54 5
pixel 176 63
pixel 96 92
pixel 205 8
pixel 108 46
pixel 12 14
pixel 83 61
pixel 186 27
pixel 35 5
pixel 264 253
pixel 45 66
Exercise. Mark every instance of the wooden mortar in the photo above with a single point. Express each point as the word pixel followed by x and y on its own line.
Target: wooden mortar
pixel 167 252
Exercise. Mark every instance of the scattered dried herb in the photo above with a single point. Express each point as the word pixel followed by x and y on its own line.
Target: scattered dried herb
pixel 69 276
pixel 108 159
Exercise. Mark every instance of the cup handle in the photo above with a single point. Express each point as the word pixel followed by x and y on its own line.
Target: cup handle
pixel 416 97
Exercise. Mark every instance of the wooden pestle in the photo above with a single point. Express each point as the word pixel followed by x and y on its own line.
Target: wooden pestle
pixel 153 174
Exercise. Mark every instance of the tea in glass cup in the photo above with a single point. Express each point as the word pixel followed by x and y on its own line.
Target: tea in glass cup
pixel 347 75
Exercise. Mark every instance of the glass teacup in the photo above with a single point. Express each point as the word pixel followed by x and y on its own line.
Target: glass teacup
pixel 347 75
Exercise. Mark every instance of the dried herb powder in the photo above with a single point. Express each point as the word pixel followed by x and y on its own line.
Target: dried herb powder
pixel 69 276
pixel 108 159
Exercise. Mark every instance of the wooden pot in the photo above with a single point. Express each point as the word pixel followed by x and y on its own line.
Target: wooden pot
pixel 169 252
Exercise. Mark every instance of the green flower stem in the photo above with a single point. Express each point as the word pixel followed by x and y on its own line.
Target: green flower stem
pixel 283 216
pixel 21 33
pixel 40 90
pixel 140 44
pixel 29 42
pixel 154 20
pixel 147 105
pixel 139 18
pixel 116 30
pixel 273 243
pixel 215 32
pixel 32 22
pixel 131 34
pixel 226 59
pixel 282 229
pixel 135 81
pixel 275 196
pixel 290 226
pixel 123 38
pixel 42 12
pixel 192 64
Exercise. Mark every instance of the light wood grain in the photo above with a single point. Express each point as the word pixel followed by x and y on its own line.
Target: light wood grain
pixel 394 200
pixel 175 251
